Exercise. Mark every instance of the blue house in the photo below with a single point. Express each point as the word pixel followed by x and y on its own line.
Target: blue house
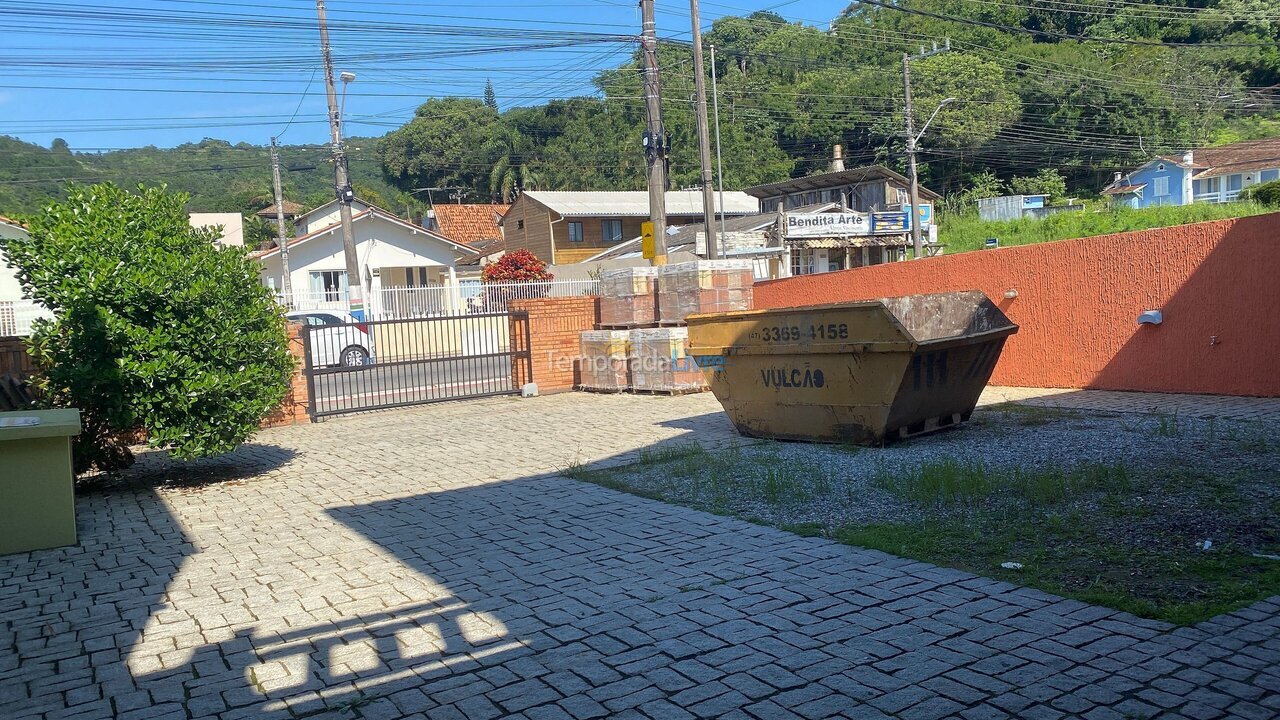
pixel 1216 174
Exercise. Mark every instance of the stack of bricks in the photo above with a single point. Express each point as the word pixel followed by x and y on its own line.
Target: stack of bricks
pixel 294 408
pixel 628 297
pixel 603 360
pixel 703 286
pixel 660 362
pixel 553 328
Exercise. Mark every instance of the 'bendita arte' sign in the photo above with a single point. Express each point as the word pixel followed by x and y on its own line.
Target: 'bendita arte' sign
pixel 842 224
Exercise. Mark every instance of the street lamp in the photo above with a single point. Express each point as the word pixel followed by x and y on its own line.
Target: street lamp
pixel 347 78
pixel 912 139
pixel 941 105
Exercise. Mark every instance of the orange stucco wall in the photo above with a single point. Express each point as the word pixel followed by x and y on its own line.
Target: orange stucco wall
pixel 1218 284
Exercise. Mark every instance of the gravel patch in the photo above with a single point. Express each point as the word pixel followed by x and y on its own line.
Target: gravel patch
pixel 1107 508
pixel 790 484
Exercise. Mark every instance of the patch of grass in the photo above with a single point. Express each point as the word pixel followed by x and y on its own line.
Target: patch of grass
pixel 948 482
pixel 1066 558
pixel 1034 415
pixel 963 233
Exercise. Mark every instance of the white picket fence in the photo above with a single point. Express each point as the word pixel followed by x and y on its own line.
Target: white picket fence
pixel 434 300
pixel 17 317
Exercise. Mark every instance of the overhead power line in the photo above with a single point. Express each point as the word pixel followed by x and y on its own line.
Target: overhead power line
pixel 1051 33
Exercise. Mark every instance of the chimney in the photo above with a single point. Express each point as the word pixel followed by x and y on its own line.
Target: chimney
pixel 1189 157
pixel 837 158
pixel 1118 176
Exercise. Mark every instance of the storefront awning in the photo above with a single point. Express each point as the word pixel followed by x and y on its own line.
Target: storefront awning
pixel 851 242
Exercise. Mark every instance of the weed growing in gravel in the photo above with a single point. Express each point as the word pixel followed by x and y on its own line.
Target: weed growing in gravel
pixel 939 482
pixel 949 482
pixel 1255 438
pixel 1035 415
pixel 575 470
pixel 1167 425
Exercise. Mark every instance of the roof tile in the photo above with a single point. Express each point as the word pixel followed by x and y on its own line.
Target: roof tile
pixel 470 224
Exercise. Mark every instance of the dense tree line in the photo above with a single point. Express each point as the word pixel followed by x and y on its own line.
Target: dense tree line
pixel 1026 100
pixel 1034 109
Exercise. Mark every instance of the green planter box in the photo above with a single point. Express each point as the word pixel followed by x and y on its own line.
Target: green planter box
pixel 37 492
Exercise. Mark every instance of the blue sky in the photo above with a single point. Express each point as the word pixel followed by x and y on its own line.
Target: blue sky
pixel 164 72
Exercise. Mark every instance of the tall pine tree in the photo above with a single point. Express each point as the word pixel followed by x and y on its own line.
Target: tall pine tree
pixel 490 97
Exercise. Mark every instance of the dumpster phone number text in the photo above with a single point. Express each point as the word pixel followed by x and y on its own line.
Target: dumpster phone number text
pixel 791 333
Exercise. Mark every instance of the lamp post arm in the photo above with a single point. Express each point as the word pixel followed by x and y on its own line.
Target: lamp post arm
pixel 941 105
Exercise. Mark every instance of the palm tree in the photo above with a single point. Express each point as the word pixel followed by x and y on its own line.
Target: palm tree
pixel 512 170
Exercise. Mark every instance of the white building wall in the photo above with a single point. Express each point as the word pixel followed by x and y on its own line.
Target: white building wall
pixel 232 226
pixel 324 216
pixel 10 290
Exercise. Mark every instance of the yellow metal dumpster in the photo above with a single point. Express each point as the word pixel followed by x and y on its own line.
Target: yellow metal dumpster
pixel 862 372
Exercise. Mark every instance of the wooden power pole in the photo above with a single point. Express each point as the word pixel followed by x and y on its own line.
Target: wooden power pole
pixel 917 240
pixel 655 141
pixel 704 136
pixel 342 184
pixel 282 237
pixel 913 215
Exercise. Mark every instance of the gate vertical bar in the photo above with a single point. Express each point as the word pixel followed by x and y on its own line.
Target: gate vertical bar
pixel 307 373
pixel 528 349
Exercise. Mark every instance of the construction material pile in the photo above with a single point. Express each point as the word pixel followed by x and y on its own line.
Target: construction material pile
pixel 630 351
pixel 660 362
pixel 703 286
pixel 628 297
pixel 603 360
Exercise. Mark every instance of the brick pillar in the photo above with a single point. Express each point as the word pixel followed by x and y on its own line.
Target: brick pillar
pixel 554 325
pixel 293 409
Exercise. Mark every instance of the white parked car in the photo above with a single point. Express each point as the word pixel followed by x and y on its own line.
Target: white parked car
pixel 336 337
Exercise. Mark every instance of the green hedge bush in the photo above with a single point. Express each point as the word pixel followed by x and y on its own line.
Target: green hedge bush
pixel 156 330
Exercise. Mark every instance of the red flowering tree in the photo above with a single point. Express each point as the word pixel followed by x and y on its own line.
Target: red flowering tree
pixel 516 266
pixel 519 274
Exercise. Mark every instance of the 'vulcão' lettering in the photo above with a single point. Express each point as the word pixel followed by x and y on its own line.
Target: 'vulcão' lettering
pixel 792 378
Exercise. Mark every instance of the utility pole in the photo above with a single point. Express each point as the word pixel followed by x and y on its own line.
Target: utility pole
pixel 715 110
pixel 342 185
pixel 704 136
pixel 655 141
pixel 282 238
pixel 917 241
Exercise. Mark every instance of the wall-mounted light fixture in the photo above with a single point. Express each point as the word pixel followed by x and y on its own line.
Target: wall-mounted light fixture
pixel 1011 293
pixel 1151 317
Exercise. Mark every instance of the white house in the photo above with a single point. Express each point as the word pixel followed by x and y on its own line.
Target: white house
pixel 392 253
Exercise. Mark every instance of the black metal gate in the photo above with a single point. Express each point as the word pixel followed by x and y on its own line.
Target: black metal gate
pixel 357 366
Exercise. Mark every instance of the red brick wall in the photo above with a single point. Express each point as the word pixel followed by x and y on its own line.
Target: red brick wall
pixel 555 325
pixel 14 360
pixel 294 408
pixel 1078 302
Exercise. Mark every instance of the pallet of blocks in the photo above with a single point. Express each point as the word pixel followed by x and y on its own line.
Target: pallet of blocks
pixel 660 362
pixel 603 360
pixel 628 297
pixel 703 286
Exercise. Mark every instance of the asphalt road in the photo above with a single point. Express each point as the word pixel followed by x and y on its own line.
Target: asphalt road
pixel 380 385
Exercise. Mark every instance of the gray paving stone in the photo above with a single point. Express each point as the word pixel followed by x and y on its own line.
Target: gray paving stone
pixel 482 582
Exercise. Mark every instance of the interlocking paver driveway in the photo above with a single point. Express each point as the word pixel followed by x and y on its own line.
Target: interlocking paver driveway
pixel 429 563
